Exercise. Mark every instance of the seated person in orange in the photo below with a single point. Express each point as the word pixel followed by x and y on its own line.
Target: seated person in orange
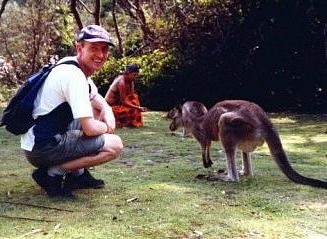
pixel 123 99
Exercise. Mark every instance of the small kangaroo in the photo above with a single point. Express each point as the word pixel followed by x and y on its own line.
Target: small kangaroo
pixel 237 124
pixel 182 115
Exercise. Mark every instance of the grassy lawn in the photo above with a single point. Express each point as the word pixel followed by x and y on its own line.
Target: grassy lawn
pixel 152 191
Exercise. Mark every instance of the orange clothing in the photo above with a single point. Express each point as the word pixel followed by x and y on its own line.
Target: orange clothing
pixel 127 116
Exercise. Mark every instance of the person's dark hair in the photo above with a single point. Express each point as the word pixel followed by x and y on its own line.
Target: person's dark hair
pixel 132 68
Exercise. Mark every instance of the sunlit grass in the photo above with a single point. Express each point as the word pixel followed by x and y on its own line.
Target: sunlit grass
pixel 283 120
pixel 152 190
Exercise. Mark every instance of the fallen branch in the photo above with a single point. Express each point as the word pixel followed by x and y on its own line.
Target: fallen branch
pixel 26 218
pixel 31 233
pixel 37 206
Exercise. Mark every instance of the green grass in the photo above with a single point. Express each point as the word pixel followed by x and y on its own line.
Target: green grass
pixel 152 190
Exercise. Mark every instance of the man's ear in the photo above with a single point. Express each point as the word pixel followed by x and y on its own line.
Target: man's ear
pixel 78 46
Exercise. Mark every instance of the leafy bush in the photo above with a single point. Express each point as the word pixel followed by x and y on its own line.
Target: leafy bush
pixel 153 69
pixel 133 43
pixel 42 31
pixel 6 92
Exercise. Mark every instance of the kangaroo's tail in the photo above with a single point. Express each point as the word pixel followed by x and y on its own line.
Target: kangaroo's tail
pixel 276 149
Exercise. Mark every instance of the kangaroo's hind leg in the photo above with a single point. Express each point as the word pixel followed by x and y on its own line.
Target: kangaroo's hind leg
pixel 247 164
pixel 232 173
pixel 229 140
pixel 209 161
pixel 205 148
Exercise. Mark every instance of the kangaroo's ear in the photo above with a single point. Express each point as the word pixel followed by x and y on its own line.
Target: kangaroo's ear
pixel 179 107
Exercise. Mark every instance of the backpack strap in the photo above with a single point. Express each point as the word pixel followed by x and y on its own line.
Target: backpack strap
pixel 70 62
pixel 56 121
pixel 17 116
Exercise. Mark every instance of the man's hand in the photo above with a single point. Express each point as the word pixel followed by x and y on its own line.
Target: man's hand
pixel 110 130
pixel 142 109
pixel 107 116
pixel 104 113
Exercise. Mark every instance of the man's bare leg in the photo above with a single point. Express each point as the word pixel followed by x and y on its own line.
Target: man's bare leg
pixel 111 150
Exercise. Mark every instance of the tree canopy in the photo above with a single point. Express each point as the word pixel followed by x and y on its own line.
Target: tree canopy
pixel 272 52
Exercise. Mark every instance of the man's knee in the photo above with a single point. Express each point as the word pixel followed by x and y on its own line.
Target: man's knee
pixel 113 144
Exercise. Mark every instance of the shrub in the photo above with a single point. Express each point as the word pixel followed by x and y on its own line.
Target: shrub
pixel 153 73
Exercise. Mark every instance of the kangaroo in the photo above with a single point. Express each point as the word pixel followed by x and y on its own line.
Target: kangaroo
pixel 182 115
pixel 237 124
pixel 171 114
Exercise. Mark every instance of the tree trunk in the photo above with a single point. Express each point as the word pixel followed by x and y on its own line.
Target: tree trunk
pixel 96 13
pixel 148 35
pixel 120 47
pixel 3 6
pixel 76 14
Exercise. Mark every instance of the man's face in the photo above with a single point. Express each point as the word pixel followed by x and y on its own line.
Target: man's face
pixel 92 55
pixel 132 75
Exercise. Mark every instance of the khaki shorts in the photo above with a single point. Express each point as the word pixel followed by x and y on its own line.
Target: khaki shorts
pixel 66 147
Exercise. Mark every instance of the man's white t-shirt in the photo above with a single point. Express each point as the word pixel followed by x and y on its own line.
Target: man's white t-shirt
pixel 65 83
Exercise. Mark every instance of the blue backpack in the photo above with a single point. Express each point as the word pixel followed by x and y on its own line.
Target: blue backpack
pixel 17 117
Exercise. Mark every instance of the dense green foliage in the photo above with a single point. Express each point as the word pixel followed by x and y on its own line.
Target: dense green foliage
pixel 272 52
pixel 154 82
pixel 42 31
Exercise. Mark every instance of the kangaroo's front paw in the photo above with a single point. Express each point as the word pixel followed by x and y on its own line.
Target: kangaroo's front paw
pixel 207 164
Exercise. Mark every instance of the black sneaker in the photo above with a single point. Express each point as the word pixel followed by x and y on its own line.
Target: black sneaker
pixel 51 185
pixel 83 181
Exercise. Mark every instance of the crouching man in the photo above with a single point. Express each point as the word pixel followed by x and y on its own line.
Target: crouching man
pixel 74 124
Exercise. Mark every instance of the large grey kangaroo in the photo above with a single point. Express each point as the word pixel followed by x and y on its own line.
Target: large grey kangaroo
pixel 237 124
